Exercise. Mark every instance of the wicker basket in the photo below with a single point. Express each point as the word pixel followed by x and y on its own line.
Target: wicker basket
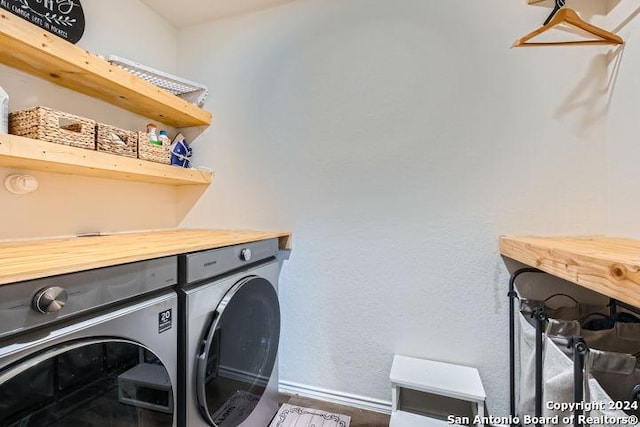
pixel 50 125
pixel 152 152
pixel 118 141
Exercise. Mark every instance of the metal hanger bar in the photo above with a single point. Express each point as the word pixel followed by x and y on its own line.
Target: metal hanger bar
pixel 559 5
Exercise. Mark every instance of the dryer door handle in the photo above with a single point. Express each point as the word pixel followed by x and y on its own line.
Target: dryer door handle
pixel 206 347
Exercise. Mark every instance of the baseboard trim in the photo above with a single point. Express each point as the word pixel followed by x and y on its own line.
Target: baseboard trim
pixel 354 400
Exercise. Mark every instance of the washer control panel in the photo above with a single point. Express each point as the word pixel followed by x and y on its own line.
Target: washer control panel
pixel 23 304
pixel 203 265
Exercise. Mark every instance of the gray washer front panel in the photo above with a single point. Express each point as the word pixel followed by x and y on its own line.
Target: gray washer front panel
pixel 137 322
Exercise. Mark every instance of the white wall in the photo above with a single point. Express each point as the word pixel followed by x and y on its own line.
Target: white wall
pixel 623 127
pixel 66 204
pixel 397 140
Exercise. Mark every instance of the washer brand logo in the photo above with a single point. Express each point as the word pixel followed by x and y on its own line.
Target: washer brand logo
pixel 210 263
pixel 164 321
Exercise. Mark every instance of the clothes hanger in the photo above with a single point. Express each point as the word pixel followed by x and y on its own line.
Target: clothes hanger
pixel 563 15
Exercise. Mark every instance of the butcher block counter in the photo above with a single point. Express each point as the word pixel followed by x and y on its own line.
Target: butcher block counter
pixel 608 265
pixel 34 259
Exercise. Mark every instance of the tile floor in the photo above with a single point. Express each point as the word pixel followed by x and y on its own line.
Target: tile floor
pixel 359 417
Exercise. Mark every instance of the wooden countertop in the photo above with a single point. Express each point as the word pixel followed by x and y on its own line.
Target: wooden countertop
pixel 608 265
pixel 33 259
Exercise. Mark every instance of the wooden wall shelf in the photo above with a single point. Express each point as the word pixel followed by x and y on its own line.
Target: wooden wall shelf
pixel 31 154
pixel 28 48
pixel 610 266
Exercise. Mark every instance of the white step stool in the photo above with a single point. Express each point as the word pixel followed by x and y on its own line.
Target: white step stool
pixel 443 379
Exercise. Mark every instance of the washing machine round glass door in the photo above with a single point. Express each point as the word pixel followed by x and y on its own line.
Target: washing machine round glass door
pixel 89 383
pixel 238 352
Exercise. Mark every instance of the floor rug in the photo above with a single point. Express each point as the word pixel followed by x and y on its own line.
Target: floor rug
pixel 236 409
pixel 296 416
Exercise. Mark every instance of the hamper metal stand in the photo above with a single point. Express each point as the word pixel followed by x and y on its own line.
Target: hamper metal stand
pixel 580 350
pixel 513 295
pixel 541 319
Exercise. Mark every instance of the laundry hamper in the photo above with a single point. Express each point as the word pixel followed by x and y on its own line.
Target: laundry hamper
pixel 561 362
pixel 611 360
pixel 533 343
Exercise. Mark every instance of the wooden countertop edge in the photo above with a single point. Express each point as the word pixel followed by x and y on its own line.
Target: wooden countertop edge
pixel 116 258
pixel 607 265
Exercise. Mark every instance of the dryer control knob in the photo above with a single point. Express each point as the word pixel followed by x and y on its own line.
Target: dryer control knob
pixel 50 300
pixel 245 254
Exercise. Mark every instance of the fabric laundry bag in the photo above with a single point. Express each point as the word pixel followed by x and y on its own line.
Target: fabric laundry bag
pixel 612 357
pixel 558 306
pixel 611 369
pixel 611 377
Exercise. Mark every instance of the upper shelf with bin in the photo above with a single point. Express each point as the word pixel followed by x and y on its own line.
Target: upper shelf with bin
pixel 40 141
pixel 28 48
pixel 33 154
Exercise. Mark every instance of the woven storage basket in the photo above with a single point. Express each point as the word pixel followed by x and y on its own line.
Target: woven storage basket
pixel 152 152
pixel 50 125
pixel 111 139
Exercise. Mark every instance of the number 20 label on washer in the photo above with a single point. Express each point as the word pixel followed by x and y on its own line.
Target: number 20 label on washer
pixel 164 321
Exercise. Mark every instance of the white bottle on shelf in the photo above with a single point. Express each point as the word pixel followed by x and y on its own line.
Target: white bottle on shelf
pixel 4 111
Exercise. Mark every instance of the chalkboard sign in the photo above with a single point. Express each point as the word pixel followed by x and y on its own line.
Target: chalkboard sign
pixel 64 18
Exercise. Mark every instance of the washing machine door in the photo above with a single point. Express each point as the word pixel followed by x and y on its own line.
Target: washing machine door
pixel 238 352
pixel 91 382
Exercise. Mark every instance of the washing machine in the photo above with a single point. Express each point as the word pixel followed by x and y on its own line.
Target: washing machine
pixel 229 319
pixel 92 349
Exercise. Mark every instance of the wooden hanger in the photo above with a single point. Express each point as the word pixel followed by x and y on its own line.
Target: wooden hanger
pixel 569 16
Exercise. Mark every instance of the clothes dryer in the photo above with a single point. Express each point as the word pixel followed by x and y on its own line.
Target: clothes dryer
pixel 229 334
